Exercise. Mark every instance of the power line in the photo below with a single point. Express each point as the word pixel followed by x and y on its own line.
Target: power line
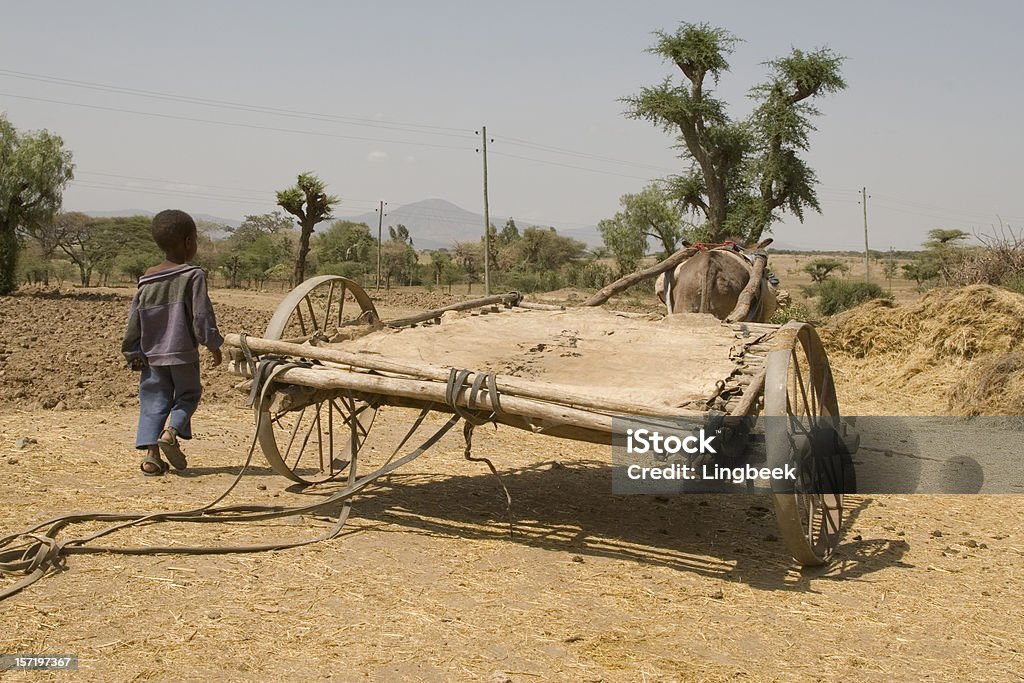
pixel 176 182
pixel 236 125
pixel 171 193
pixel 579 168
pixel 409 127
pixel 932 207
pixel 518 142
pixel 952 220
pixel 316 116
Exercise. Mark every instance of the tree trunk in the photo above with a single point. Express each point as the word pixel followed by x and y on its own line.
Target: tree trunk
pixel 300 260
pixel 8 260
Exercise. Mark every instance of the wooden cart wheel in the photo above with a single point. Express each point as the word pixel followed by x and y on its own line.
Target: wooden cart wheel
pixel 801 429
pixel 317 437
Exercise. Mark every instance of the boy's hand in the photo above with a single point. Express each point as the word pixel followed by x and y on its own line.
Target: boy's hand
pixel 217 357
pixel 136 364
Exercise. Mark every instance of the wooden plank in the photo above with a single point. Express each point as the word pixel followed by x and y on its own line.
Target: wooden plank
pixel 434 392
pixel 510 299
pixel 746 297
pixel 628 281
pixel 507 386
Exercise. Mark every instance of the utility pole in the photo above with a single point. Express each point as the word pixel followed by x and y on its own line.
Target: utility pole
pixel 891 269
pixel 380 226
pixel 487 222
pixel 867 266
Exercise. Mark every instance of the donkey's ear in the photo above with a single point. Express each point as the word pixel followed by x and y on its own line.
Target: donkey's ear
pixel 765 243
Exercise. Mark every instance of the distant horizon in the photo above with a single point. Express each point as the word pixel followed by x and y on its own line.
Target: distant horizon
pixel 776 246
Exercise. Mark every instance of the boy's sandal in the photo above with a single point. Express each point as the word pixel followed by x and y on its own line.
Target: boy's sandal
pixel 168 443
pixel 152 466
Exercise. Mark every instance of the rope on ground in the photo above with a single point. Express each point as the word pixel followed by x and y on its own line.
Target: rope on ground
pixel 37 551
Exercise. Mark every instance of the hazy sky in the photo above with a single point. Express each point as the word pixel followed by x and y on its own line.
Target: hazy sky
pixel 385 98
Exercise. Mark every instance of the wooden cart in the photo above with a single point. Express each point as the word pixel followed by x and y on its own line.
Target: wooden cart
pixel 565 372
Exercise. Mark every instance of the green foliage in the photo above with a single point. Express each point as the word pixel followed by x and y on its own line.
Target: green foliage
pixel 468 257
pixel 398 258
pixel 651 213
pixel 32 267
pixel 889 269
pixel 794 311
pixel 256 246
pixel 34 168
pixel 103 245
pixel 1015 283
pixel 590 275
pixel 921 271
pixel 743 173
pixel 840 295
pixel 350 269
pixel 346 242
pixel 628 246
pixel 939 237
pixel 308 201
pixel 530 281
pixel 821 268
pixel 508 234
pixel 543 249
pixel 450 274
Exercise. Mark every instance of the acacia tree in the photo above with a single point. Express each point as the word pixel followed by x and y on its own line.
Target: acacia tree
pixel 743 173
pixel 308 201
pixel 93 244
pixel 34 168
pixel 821 268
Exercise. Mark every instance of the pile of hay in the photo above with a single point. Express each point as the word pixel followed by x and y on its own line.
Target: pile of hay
pixel 994 386
pixel 958 350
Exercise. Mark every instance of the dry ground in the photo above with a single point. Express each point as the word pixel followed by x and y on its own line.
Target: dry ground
pixel 428 584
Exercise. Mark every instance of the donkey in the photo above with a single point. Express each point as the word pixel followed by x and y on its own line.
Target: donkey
pixel 711 281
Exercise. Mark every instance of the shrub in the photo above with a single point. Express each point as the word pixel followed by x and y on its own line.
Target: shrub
pixel 840 295
pixel 532 281
pixel 1015 283
pixel 591 275
pixel 349 269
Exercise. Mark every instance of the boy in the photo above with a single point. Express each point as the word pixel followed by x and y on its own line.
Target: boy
pixel 170 316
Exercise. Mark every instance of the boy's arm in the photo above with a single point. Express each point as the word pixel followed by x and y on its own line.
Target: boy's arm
pixel 204 322
pixel 131 344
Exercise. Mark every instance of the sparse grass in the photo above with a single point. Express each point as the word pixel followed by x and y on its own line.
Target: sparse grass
pixel 797 310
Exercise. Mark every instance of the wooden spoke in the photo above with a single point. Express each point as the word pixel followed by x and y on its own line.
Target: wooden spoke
pixel 801 424
pixel 315 312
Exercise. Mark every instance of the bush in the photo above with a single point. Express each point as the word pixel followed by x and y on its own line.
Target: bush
pixel 591 275
pixel 840 295
pixel 1015 283
pixel 350 269
pixel 532 281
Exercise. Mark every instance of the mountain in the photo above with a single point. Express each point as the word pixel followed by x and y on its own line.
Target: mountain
pixel 437 223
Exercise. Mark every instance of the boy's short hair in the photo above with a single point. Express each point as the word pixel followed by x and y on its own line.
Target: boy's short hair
pixel 171 228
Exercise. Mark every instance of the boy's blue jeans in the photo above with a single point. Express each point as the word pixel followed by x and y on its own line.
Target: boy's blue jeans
pixel 168 397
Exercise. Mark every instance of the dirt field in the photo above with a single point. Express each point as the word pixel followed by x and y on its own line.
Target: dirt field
pixel 428 584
